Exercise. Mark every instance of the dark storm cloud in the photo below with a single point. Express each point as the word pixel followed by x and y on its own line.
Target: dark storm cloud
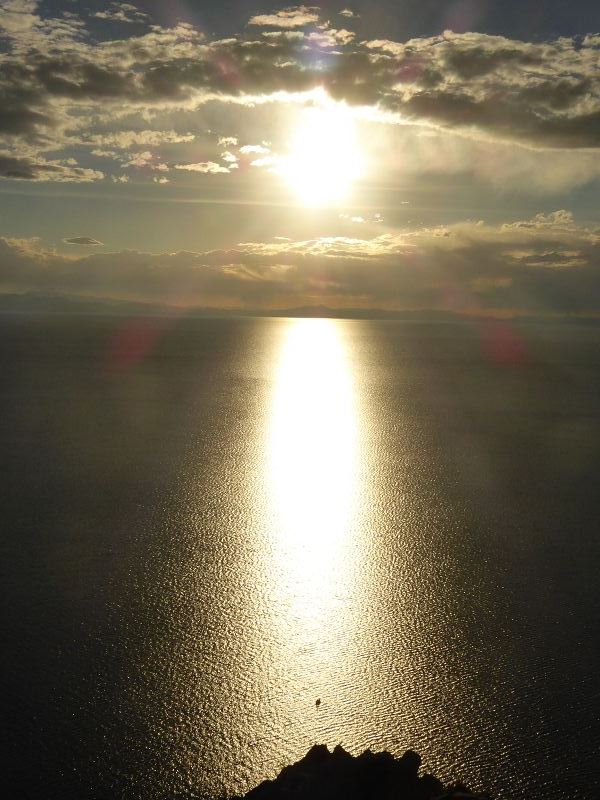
pixel 547 264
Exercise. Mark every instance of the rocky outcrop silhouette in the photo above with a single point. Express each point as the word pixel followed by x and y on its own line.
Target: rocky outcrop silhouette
pixel 338 775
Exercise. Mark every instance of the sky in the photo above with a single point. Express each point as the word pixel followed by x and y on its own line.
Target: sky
pixel 380 156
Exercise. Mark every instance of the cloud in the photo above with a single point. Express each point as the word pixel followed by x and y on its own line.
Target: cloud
pixel 254 148
pixel 204 166
pixel 23 27
pixel 100 153
pixel 265 161
pixel 283 35
pixel 126 139
pixel 39 169
pixel 121 12
pixel 417 153
pixel 62 87
pixel 548 264
pixel 540 94
pixel 293 17
pixel 561 220
pixel 87 241
pixel 142 159
pixel 356 219
pixel 331 37
pixel 348 13
pixel 18 16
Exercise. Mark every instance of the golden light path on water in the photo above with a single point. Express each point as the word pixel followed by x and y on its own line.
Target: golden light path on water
pixel 348 604
pixel 313 482
pixel 313 463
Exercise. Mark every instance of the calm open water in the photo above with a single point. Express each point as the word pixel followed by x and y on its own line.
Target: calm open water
pixel 207 524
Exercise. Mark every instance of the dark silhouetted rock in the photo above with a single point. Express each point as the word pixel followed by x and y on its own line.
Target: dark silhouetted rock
pixel 321 775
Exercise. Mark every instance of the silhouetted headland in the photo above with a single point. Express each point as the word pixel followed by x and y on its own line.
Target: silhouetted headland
pixel 324 775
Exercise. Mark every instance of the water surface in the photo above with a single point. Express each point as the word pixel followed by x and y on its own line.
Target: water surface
pixel 208 524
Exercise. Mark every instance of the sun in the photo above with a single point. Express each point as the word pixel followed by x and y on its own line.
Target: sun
pixel 325 157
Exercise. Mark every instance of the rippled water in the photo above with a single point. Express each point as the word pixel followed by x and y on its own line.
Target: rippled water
pixel 208 524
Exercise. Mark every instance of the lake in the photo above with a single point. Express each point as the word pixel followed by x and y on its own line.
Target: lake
pixel 210 523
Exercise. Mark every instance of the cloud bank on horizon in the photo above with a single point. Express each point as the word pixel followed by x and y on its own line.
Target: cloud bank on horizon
pixel 108 96
pixel 545 264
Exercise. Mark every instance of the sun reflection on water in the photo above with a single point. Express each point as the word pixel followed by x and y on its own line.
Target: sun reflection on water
pixel 313 475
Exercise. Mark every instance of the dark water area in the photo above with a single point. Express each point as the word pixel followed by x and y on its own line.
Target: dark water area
pixel 207 524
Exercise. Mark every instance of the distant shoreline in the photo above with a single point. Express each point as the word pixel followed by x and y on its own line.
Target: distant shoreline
pixel 58 305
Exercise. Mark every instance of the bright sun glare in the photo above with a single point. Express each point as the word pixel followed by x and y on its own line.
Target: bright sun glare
pixel 313 461
pixel 325 157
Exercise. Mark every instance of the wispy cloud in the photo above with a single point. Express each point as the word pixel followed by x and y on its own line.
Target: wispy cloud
pixel 254 148
pixel 85 241
pixel 127 139
pixel 121 12
pixel 40 169
pixel 142 159
pixel 208 167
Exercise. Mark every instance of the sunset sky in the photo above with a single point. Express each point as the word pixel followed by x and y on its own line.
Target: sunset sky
pixel 229 155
